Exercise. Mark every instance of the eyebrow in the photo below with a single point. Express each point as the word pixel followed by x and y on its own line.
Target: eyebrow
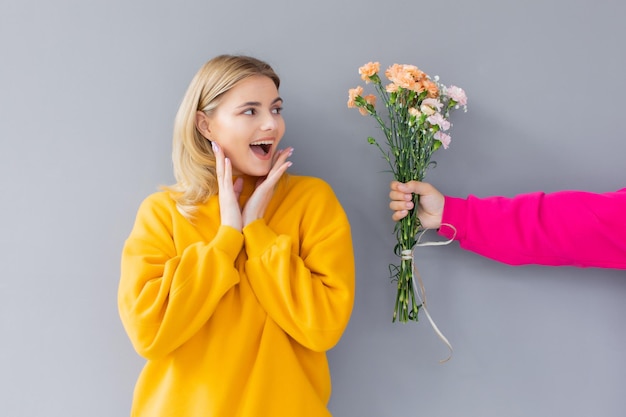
pixel 257 104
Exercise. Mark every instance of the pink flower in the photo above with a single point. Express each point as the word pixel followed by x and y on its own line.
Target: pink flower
pixel 437 119
pixel 444 138
pixel 457 94
pixel 433 102
pixel 430 106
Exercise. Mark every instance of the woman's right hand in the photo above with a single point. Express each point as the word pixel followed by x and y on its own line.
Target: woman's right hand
pixel 229 192
pixel 431 202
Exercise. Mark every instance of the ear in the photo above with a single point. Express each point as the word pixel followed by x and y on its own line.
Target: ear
pixel 202 124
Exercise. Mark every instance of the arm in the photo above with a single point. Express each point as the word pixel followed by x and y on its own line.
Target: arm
pixel 167 293
pixel 306 286
pixel 565 228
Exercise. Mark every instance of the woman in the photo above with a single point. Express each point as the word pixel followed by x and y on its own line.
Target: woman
pixel 567 228
pixel 236 280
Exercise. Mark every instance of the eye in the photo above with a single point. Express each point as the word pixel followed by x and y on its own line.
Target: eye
pixel 250 112
pixel 277 110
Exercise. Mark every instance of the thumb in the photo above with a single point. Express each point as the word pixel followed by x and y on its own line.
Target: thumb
pixel 238 187
pixel 415 187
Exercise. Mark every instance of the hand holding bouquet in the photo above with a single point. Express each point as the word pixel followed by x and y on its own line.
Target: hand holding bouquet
pixel 415 126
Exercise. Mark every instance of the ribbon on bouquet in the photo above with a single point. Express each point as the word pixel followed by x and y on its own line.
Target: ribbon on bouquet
pixel 421 291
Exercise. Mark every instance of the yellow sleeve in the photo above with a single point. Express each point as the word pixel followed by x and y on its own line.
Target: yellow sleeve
pixel 166 292
pixel 309 294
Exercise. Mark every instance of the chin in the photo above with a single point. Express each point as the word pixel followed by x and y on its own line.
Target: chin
pixel 257 172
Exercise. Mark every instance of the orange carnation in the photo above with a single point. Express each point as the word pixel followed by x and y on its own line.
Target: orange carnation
pixel 393 71
pixel 353 93
pixel 369 69
pixel 419 87
pixel 431 87
pixel 414 72
pixel 403 75
pixel 370 99
pixel 391 88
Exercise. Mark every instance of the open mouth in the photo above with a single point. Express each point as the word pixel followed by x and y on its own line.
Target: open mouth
pixel 261 148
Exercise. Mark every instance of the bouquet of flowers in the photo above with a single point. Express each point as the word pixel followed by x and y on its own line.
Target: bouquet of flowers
pixel 418 108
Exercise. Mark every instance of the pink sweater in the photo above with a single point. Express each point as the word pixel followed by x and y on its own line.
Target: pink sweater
pixel 565 228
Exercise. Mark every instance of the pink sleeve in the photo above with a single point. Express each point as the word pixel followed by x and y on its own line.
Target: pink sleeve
pixel 565 228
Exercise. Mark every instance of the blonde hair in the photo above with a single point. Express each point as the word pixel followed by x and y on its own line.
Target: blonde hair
pixel 192 156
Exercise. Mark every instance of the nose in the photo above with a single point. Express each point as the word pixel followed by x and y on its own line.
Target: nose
pixel 270 121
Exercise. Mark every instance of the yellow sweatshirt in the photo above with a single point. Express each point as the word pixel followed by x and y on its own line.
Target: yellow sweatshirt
pixel 237 324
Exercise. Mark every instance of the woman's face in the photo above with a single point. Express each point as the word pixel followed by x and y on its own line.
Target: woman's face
pixel 247 125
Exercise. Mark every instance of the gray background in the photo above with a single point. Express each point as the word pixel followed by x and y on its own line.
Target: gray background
pixel 88 93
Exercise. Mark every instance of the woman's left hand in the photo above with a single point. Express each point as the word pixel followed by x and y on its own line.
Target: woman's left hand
pixel 260 198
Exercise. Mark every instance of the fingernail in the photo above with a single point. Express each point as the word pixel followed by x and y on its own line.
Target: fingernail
pixel 214 146
pixel 290 151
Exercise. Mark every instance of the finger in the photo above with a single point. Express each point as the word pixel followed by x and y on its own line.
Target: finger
pixel 277 171
pixel 227 181
pixel 238 187
pixel 397 185
pixel 219 161
pixel 404 187
pixel 400 205
pixel 276 155
pixel 400 196
pixel 273 176
pixel 416 187
pixel 282 155
pixel 398 215
pixel 281 164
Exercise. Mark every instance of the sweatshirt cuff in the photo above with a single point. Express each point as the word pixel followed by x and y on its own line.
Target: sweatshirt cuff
pixel 230 240
pixel 258 237
pixel 453 224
